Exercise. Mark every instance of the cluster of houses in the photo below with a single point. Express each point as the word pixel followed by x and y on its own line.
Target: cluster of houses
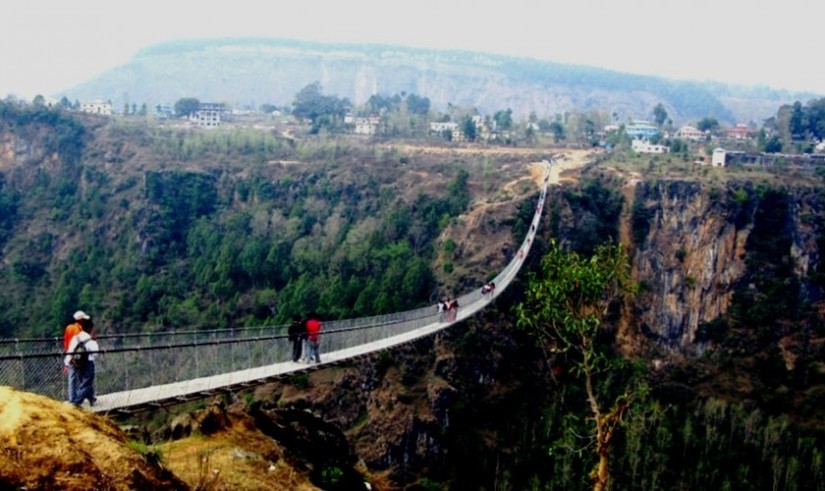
pixel 208 114
pixel 363 126
pixel 642 132
pixel 96 106
pixel 485 128
pixel 212 115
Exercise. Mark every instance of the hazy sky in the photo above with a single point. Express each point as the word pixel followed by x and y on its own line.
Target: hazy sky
pixel 50 45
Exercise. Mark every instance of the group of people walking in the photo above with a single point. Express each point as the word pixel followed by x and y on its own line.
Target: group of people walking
pixel 79 347
pixel 305 336
pixel 448 308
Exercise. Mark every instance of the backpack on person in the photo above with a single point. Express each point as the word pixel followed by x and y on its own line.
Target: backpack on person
pixel 297 330
pixel 80 360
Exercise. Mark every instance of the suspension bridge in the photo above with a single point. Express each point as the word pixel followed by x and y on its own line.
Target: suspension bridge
pixel 142 371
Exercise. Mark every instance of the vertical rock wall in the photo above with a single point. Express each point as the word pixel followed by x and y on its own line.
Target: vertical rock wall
pixel 694 255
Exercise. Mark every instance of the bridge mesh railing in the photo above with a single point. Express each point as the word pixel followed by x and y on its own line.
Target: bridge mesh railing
pixel 127 362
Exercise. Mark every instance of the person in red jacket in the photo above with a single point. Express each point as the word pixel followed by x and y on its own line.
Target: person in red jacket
pixel 313 338
pixel 68 334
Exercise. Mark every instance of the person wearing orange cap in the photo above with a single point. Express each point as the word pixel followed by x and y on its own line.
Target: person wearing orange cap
pixel 68 334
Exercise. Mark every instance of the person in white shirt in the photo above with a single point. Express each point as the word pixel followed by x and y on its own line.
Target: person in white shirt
pixel 81 357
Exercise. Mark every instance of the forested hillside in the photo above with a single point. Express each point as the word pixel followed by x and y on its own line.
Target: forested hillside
pixel 155 228
pixel 714 365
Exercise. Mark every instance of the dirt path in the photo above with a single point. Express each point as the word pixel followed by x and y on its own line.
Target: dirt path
pixel 566 162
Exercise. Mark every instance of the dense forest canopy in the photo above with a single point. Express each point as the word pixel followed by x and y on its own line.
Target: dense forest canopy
pixel 152 228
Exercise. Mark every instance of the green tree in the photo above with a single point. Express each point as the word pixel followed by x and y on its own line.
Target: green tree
pixel 773 144
pixel 468 127
pixel 558 131
pixel 418 105
pixel 308 102
pixel 659 114
pixel 504 119
pixel 707 124
pixel 565 307
pixel 186 106
pixel 815 110
pixel 798 123
pixel 321 110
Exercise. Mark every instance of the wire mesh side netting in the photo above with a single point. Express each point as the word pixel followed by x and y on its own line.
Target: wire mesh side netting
pixel 162 364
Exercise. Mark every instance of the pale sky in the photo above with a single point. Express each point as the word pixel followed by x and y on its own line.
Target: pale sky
pixel 47 46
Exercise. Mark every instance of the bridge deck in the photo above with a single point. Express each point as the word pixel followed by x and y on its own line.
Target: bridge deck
pixel 160 395
pixel 132 378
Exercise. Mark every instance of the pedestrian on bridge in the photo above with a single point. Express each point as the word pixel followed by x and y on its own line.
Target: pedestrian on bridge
pixel 313 326
pixel 444 307
pixel 69 333
pixel 452 309
pixel 81 358
pixel 297 335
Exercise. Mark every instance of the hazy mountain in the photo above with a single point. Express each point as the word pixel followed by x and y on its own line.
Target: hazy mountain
pixel 250 72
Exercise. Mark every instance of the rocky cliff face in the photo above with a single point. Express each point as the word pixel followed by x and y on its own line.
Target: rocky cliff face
pixel 448 407
pixel 419 410
pixel 255 71
pixel 694 255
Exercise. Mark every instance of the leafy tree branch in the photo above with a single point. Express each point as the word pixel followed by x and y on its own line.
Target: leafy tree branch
pixel 565 307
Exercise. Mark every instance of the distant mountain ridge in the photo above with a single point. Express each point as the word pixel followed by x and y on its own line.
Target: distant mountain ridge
pixel 254 71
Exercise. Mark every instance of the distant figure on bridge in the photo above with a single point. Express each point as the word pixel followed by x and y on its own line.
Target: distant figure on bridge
pixel 452 309
pixel 297 334
pixel 313 326
pixel 69 333
pixel 443 307
pixel 488 289
pixel 80 359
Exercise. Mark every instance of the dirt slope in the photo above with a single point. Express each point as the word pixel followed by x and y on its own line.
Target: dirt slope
pixel 483 234
pixel 52 445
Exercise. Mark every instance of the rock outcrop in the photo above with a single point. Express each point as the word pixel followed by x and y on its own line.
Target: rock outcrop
pixel 48 444
pixel 694 255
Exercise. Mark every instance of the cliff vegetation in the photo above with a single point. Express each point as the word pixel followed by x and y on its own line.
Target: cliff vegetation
pixel 154 228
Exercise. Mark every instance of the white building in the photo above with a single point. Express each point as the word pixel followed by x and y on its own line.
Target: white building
pixel 96 106
pixel 718 158
pixel 205 118
pixel 642 146
pixel 641 130
pixel 209 114
pixel 367 126
pixel 439 127
pixel 690 133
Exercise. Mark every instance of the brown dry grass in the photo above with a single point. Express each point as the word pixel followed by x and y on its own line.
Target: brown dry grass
pixel 238 458
pixel 53 445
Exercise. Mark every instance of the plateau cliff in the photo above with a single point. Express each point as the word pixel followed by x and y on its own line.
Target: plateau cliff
pixel 251 72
